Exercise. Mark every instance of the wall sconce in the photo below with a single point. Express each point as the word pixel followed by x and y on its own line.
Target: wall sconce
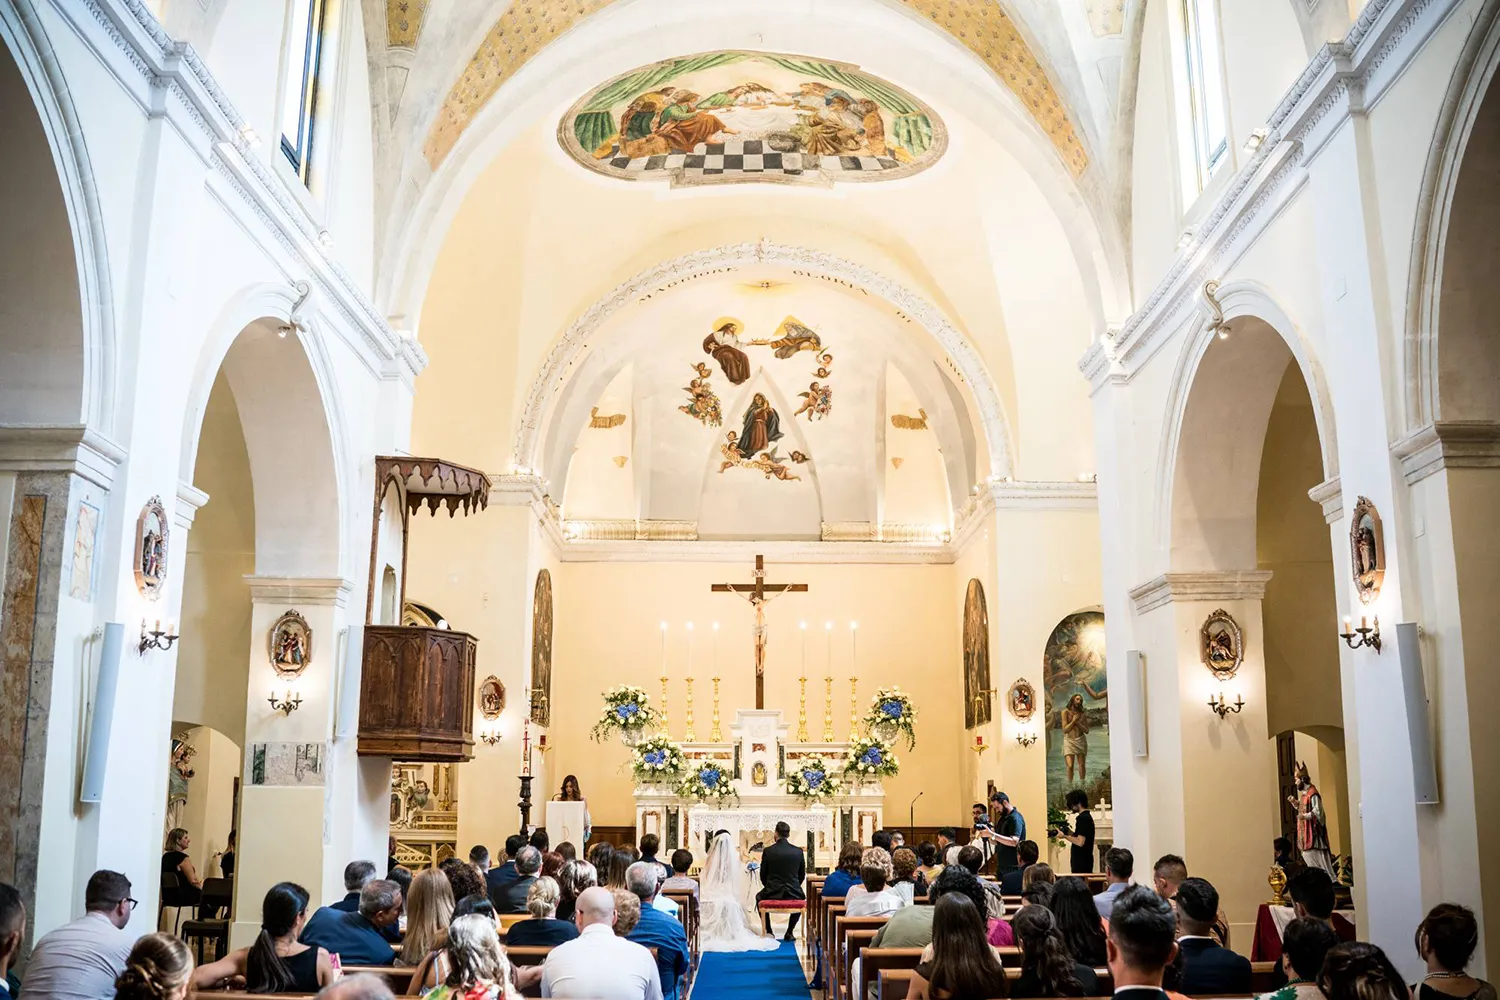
pixel 979 746
pixel 287 705
pixel 1220 705
pixel 157 637
pixel 1026 739
pixel 1366 635
pixel 490 737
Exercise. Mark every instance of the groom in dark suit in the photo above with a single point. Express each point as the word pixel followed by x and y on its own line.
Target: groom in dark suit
pixel 782 869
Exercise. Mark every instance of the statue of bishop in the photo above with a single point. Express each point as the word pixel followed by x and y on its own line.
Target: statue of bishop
pixel 1312 823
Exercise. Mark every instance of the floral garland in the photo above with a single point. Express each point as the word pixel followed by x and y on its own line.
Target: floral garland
pixel 658 760
pixel 815 779
pixel 870 757
pixel 707 782
pixel 892 714
pixel 626 710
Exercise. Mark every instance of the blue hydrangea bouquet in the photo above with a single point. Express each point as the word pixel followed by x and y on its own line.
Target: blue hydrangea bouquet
pixel 709 781
pixel 870 758
pixel 892 715
pixel 658 761
pixel 627 711
pixel 814 779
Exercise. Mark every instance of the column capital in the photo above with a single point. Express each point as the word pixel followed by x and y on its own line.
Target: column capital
pixel 1329 495
pixel 1218 585
pixel 1448 444
pixel 190 499
pixel 299 589
pixel 61 448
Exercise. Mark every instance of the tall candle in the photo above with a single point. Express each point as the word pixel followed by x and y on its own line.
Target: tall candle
pixel 663 648
pixel 690 647
pixel 828 632
pixel 803 626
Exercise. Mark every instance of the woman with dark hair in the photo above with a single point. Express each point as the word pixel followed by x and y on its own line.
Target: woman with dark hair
pixel 552 863
pixel 477 903
pixel 1360 971
pixel 1037 874
pixel 463 877
pixel 929 864
pixel 599 856
pixel 572 878
pixel 846 875
pixel 570 792
pixel 1304 945
pixel 619 864
pixel 160 967
pixel 1078 921
pixel 959 964
pixel 277 962
pixel 1047 967
pixel 1446 940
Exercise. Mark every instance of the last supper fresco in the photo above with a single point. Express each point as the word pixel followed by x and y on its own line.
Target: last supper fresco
pixel 751 116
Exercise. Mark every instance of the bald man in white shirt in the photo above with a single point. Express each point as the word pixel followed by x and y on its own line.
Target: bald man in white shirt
pixel 597 964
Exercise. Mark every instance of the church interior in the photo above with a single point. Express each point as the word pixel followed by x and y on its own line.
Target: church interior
pixel 831 413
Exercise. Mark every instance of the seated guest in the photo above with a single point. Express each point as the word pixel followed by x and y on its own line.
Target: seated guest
pixel 882 840
pixel 390 853
pixel 1312 895
pixel 911 926
pixel 619 864
pixel 568 851
pixel 1304 945
pixel 1360 971
pixel 355 937
pixel 1039 894
pixel 552 863
pixel 82 960
pixel 511 897
pixel 475 903
pixel 1119 865
pixel 174 861
pixel 501 875
pixel 650 844
pixel 543 927
pixel 1167 874
pixel 464 878
pixel 972 858
pixel 479 857
pixel 599 856
pixel 541 840
pixel 682 863
pixel 159 967
pixel 846 875
pixel 361 986
pixel 1027 853
pixel 278 962
pixel 1040 873
pixel 226 860
pixel 929 864
pixel 12 935
pixel 656 929
pixel 597 963
pixel 429 911
pixel 1079 921
pixel 357 875
pixel 1142 942
pixel 476 968
pixel 1048 969
pixel 572 878
pixel 959 963
pixel 905 882
pixel 1207 966
pixel 873 897
pixel 1446 940
pixel 627 911
pixel 898 841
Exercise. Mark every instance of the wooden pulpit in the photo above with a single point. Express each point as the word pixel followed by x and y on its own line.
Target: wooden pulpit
pixel 416 694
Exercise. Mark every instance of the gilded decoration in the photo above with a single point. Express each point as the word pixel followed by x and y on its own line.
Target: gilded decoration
pixel 1106 17
pixel 1367 550
pixel 403 22
pixel 526 28
pixel 1221 645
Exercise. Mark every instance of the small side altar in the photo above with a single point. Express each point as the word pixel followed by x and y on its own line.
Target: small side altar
pixel 758 757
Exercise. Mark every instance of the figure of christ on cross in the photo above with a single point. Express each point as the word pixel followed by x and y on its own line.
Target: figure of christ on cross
pixel 759 594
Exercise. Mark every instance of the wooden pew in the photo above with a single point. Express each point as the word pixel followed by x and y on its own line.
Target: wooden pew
pixel 838 964
pixel 894 980
pixel 397 977
pixel 687 914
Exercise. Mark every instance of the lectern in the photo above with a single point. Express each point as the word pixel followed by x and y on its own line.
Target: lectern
pixel 565 822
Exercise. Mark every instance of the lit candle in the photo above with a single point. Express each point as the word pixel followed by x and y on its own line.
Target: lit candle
pixel 1364 623
pixel 1347 623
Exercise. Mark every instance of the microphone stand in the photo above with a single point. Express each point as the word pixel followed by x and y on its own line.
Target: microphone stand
pixel 911 812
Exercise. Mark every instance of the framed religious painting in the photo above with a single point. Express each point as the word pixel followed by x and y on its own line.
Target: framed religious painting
pixel 1221 644
pixel 1021 699
pixel 151 549
pixel 1367 550
pixel 289 645
pixel 491 698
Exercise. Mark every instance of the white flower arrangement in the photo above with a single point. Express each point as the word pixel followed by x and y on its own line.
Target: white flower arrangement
pixel 709 781
pixel 870 757
pixel 892 714
pixel 627 710
pixel 815 779
pixel 658 761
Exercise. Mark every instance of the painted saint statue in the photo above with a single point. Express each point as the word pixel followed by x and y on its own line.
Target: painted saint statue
pixel 724 345
pixel 1312 823
pixel 761 429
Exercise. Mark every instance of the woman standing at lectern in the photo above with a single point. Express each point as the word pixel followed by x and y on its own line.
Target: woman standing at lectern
pixel 570 793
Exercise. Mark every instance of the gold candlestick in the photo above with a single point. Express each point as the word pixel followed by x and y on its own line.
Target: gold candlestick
pixel 688 736
pixel 853 708
pixel 665 730
pixel 802 710
pixel 828 710
pixel 714 734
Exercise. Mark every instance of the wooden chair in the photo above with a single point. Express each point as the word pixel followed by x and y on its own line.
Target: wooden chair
pixel 216 900
pixel 177 896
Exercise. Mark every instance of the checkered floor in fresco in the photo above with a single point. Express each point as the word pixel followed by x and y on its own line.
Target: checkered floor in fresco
pixel 750 156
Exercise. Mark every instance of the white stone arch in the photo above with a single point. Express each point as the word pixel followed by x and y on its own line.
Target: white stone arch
pixel 23 33
pixel 296 520
pixel 627 35
pixel 1239 300
pixel 1467 88
pixel 534 451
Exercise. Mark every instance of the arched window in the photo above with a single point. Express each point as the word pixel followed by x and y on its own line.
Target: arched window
pixel 1202 61
pixel 304 50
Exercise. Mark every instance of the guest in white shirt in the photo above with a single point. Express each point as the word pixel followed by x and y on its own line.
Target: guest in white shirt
pixel 81 960
pixel 597 964
pixel 12 932
pixel 875 897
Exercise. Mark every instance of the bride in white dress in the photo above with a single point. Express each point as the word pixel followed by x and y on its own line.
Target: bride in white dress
pixel 724 925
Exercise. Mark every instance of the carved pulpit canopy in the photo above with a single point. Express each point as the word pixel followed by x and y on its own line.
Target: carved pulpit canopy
pixel 432 481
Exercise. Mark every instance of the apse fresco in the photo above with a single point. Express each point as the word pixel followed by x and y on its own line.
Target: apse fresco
pixel 751 116
pixel 1077 709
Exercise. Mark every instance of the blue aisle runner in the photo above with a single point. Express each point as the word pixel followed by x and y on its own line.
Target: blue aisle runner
pixel 765 975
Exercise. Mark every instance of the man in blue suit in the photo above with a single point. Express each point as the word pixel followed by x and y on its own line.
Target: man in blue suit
pixel 657 929
pixel 1207 967
pixel 357 875
pixel 355 937
pixel 499 877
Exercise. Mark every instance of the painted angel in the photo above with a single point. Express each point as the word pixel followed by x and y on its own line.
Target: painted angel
pixel 817 401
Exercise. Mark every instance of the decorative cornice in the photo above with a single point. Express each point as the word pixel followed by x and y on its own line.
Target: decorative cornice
pixel 1011 495
pixel 809 551
pixel 326 590
pixel 1329 495
pixel 60 448
pixel 1231 585
pixel 190 499
pixel 1448 444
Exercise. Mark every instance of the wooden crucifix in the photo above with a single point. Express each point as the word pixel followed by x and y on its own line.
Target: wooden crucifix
pixel 759 594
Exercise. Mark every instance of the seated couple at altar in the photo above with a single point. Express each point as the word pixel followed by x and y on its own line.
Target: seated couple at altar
pixel 724 923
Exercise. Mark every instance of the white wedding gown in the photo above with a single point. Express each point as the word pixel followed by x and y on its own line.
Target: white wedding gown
pixel 723 924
